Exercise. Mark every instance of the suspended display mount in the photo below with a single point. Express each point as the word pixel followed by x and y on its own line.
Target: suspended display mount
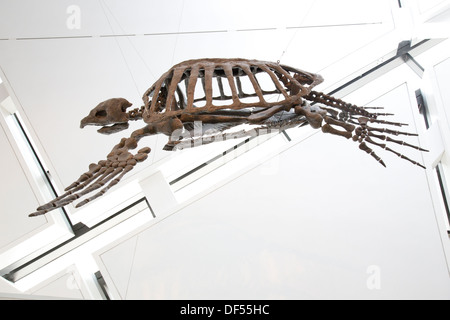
pixel 201 101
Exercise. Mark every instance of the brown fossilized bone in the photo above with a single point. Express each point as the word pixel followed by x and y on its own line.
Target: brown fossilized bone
pixel 222 94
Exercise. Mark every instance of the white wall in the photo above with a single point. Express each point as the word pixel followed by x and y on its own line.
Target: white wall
pixel 21 190
pixel 15 192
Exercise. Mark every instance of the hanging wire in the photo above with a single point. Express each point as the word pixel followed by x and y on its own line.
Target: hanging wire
pixel 311 5
pixel 178 32
pixel 120 48
pixel 103 5
pixel 128 38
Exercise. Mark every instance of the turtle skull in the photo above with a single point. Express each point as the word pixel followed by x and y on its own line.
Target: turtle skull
pixel 110 114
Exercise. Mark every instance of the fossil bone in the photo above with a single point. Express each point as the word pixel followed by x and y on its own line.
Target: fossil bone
pixel 110 112
pixel 222 94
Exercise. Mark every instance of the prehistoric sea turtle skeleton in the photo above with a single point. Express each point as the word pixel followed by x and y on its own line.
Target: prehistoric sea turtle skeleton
pixel 222 94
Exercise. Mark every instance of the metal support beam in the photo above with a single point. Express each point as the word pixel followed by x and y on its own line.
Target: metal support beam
pixel 396 60
pixel 403 51
pixel 413 64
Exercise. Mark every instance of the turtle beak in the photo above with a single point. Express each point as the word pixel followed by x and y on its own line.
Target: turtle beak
pixel 84 122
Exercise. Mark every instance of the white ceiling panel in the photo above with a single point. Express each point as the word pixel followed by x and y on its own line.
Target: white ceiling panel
pixel 148 57
pixel 427 5
pixel 200 15
pixel 264 45
pixel 332 12
pixel 15 192
pixel 314 50
pixel 48 18
pixel 143 16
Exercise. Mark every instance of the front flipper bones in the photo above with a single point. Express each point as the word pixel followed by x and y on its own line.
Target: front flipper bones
pixel 105 174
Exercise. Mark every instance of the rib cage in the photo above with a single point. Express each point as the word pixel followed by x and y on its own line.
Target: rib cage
pixel 169 97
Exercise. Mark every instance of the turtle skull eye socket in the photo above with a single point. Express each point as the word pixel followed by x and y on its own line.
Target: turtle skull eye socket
pixel 101 113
